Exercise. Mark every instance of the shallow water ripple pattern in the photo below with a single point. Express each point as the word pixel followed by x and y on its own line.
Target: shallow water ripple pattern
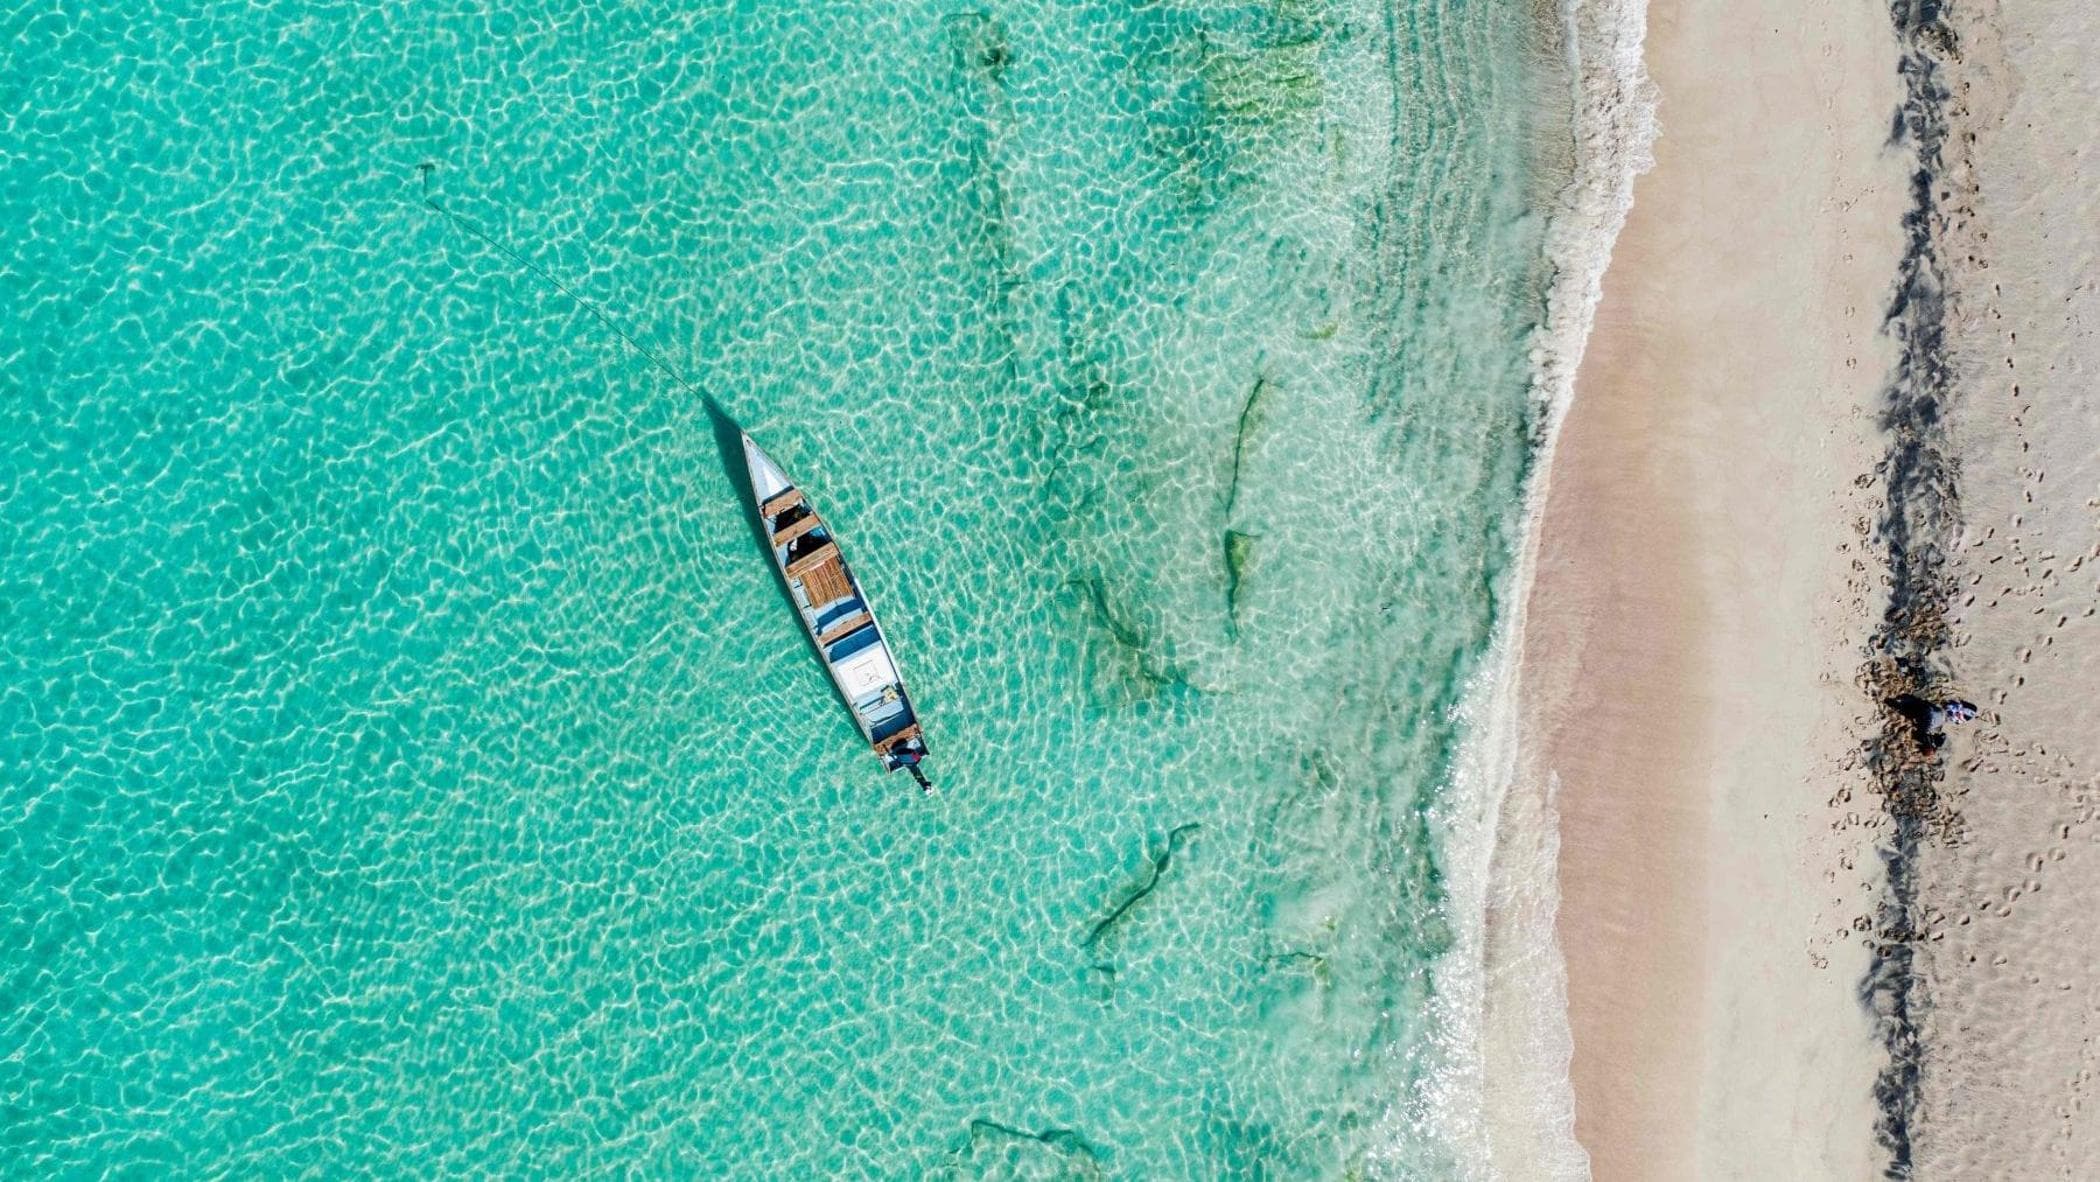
pixel 411 767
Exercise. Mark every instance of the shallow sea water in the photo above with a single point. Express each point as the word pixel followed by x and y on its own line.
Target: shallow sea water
pixel 411 765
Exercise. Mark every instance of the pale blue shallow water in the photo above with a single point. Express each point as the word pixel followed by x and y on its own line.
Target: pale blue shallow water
pixel 411 767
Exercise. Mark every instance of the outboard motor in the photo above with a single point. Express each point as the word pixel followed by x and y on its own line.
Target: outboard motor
pixel 908 757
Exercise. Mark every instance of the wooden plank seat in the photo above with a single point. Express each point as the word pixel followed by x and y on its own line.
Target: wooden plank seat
pixel 777 505
pixel 826 584
pixel 823 579
pixel 809 522
pixel 904 736
pixel 844 628
pixel 822 554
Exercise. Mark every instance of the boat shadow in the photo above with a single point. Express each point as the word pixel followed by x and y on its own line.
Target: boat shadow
pixel 729 441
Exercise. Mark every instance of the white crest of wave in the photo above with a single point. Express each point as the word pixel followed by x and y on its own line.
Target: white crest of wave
pixel 1502 1099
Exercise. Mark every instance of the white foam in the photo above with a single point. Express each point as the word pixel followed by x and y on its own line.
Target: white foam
pixel 1614 130
pixel 1501 990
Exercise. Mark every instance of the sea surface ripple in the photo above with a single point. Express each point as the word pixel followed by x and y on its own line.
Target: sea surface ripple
pixel 411 766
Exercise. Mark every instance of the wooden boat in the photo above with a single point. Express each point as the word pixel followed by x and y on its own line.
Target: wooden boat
pixel 838 618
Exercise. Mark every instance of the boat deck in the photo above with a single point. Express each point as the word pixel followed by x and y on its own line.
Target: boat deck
pixel 836 617
pixel 823 580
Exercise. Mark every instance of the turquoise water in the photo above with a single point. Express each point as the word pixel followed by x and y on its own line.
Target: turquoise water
pixel 412 767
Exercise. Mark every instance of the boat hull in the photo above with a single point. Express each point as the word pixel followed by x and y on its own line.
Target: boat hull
pixel 836 615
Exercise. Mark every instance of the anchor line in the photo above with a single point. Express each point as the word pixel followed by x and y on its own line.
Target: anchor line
pixel 603 317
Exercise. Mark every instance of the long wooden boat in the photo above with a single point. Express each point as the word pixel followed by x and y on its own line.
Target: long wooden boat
pixel 839 619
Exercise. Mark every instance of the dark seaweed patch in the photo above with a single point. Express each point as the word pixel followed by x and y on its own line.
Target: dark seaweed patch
pixel 1239 556
pixel 1102 979
pixel 1905 655
pixel 1155 872
pixel 1072 1153
pixel 1297 960
pixel 979 54
pixel 1227 91
pixel 1144 665
pixel 1249 422
pixel 978 40
pixel 1239 545
pixel 1085 389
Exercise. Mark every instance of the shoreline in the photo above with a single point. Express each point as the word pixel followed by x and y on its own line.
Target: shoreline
pixel 1665 608
pixel 1501 991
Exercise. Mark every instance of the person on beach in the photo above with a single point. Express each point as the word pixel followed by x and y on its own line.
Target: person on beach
pixel 1929 720
pixel 1952 712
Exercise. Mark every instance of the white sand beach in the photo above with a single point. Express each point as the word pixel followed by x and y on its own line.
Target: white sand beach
pixel 1712 567
pixel 1700 599
pixel 2010 1027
